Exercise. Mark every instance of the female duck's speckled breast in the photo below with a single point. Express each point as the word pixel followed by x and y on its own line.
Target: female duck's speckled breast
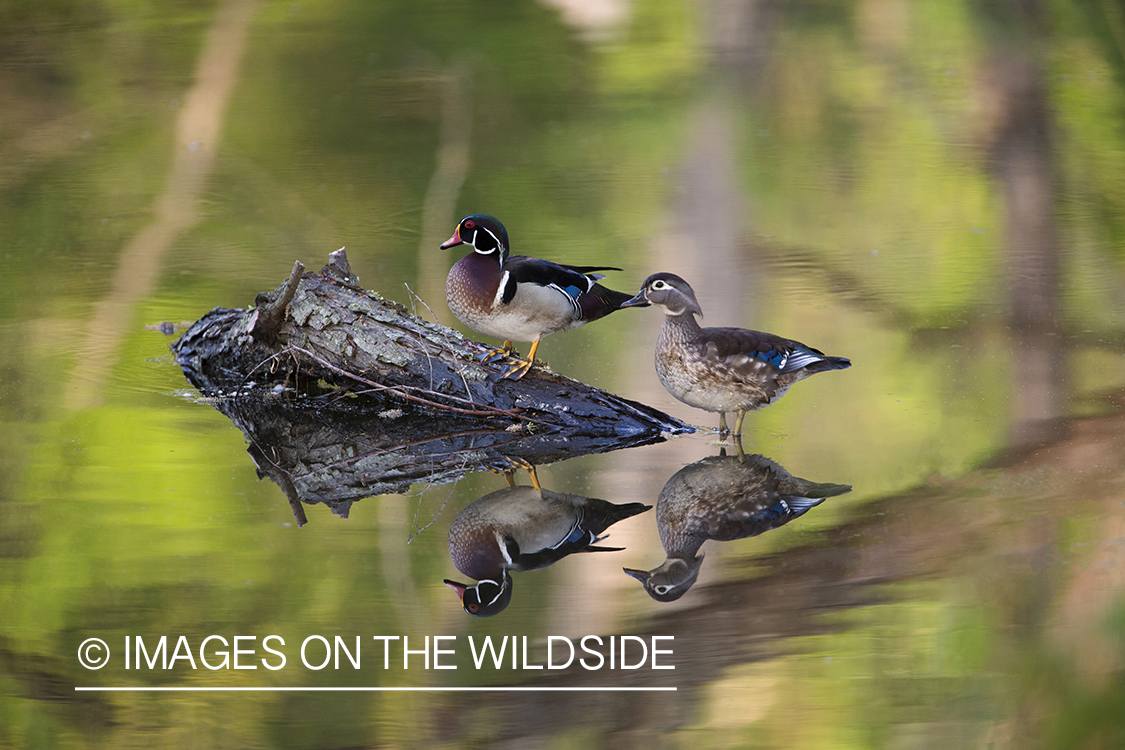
pixel 685 370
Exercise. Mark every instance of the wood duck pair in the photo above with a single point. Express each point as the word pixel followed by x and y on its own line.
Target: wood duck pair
pixel 722 498
pixel 518 298
pixel 522 528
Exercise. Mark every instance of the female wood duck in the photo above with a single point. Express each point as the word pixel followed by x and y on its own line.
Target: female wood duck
pixel 722 369
pixel 722 498
pixel 519 529
pixel 518 298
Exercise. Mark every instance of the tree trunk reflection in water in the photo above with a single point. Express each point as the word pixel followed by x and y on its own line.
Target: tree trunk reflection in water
pixel 198 131
pixel 451 166
pixel 1022 148
pixel 702 236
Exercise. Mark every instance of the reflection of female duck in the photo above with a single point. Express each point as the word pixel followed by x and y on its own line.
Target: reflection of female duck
pixel 523 528
pixel 722 498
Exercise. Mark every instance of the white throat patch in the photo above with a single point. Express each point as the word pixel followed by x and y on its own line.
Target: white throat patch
pixel 499 300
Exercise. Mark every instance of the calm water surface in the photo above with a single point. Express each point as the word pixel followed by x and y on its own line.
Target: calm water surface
pixel 932 189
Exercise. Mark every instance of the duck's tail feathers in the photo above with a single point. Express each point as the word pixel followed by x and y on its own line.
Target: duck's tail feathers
pixel 599 515
pixel 601 301
pixel 830 363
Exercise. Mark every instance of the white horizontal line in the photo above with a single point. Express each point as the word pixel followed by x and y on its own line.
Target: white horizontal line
pixel 132 689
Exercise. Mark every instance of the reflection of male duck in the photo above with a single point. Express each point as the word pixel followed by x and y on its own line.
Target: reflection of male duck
pixel 722 498
pixel 519 529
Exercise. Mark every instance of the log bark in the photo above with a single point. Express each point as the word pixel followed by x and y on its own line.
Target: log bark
pixel 343 394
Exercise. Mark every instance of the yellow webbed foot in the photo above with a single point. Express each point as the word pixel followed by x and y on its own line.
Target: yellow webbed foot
pixel 518 370
pixel 495 355
pixel 509 466
pixel 522 365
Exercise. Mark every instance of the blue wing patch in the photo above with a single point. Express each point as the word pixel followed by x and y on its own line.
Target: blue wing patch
pixel 789 361
pixel 775 358
pixel 576 534
pixel 572 294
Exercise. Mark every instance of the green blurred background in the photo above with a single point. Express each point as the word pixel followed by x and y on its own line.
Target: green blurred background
pixel 935 189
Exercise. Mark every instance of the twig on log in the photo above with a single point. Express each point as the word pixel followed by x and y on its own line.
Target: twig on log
pixel 266 319
pixel 481 410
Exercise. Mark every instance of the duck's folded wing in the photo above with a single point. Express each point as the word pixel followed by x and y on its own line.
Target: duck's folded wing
pixel 746 351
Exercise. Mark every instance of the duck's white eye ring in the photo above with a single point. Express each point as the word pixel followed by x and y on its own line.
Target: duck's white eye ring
pixel 662 589
pixel 658 284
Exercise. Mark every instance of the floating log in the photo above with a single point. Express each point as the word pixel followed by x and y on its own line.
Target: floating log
pixel 381 398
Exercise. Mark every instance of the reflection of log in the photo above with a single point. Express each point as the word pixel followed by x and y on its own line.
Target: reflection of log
pixel 342 451
pixel 428 409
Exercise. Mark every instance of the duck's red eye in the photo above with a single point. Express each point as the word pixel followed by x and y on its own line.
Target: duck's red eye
pixel 473 608
pixel 469 224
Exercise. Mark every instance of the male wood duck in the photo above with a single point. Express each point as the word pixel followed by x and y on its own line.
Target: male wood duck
pixel 722 369
pixel 517 298
pixel 519 529
pixel 722 498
